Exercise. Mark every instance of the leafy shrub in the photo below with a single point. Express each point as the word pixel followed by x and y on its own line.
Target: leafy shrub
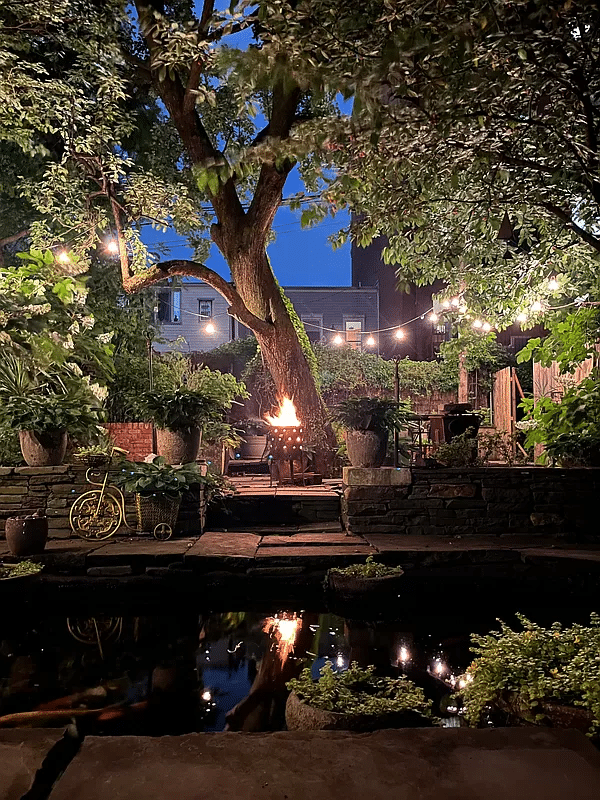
pixel 181 410
pixel 536 664
pixel 370 569
pixel 359 691
pixel 50 413
pixel 157 477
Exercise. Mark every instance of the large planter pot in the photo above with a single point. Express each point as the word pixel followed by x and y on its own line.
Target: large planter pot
pixel 366 448
pixel 252 447
pixel 178 447
pixel 26 537
pixel 43 449
pixel 301 717
pixel 548 713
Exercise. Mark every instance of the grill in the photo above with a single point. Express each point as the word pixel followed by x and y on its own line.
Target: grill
pixel 285 446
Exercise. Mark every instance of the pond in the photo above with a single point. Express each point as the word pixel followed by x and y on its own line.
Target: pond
pixel 193 670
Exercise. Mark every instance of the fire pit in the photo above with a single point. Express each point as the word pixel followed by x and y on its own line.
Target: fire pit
pixel 285 438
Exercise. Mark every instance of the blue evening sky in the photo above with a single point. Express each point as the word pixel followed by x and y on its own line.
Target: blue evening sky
pixel 299 257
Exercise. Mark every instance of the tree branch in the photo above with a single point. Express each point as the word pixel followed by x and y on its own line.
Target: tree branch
pixel 563 215
pixel 237 308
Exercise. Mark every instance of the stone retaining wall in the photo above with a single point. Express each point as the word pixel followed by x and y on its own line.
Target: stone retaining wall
pixel 24 490
pixel 486 500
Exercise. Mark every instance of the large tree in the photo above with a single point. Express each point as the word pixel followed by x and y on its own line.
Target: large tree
pixel 141 114
pixel 470 113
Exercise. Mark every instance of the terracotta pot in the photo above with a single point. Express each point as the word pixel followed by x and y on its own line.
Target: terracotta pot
pixel 301 717
pixel 43 449
pixel 178 447
pixel 366 448
pixel 26 537
pixel 252 446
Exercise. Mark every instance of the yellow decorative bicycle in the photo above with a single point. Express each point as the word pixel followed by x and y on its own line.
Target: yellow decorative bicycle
pixel 99 513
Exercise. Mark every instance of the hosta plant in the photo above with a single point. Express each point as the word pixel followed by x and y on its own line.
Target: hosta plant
pixel 181 410
pixel 158 477
pixel 359 691
pixel 535 665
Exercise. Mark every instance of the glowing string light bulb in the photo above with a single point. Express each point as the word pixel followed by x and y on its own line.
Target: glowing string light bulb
pixel 63 257
pixel 486 327
pixel 370 342
pixel 210 328
pixel 337 339
pixel 455 302
pixel 477 323
pixel 553 284
pixel 399 334
pixel 112 246
pixel 433 317
pixel 536 306
pixel 522 317
pixel 446 303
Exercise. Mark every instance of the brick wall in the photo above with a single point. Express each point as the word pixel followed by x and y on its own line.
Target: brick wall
pixel 486 500
pixel 24 490
pixel 136 437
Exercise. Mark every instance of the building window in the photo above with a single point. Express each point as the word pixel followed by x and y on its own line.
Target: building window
pixel 354 333
pixel 313 324
pixel 168 302
pixel 205 309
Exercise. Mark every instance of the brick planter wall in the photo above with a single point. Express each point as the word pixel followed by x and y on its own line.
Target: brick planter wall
pixel 487 500
pixel 24 490
pixel 136 437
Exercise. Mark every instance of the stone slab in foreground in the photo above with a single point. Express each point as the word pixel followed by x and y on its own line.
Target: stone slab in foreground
pixel 417 764
pixel 22 753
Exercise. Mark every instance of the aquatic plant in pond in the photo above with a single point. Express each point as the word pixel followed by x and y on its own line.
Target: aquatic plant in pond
pixel 524 669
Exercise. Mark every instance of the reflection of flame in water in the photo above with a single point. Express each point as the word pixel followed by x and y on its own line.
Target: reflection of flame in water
pixel 286 416
pixel 284 629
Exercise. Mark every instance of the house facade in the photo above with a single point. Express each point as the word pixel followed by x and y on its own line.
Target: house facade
pixel 192 316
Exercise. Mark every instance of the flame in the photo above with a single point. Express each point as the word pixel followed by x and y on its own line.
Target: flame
pixel 283 629
pixel 286 416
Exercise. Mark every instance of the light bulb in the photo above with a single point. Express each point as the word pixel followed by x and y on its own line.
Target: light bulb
pixel 477 323
pixel 522 317
pixel 337 339
pixel 553 284
pixel 206 695
pixel 433 317
pixel 446 303
pixel 486 327
pixel 370 342
pixel 112 246
pixel 399 334
pixel 63 257
pixel 404 655
pixel 536 306
pixel 455 302
pixel 210 328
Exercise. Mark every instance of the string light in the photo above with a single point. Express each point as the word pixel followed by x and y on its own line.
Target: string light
pixel 433 317
pixel 370 342
pixel 63 257
pixel 206 695
pixel 210 328
pixel 337 339
pixel 399 334
pixel 553 284
pixel 522 317
pixel 112 246
pixel 446 303
pixel 477 323
pixel 455 302
pixel 486 327
pixel 536 306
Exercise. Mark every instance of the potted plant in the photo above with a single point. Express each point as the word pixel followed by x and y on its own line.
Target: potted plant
pixel 253 438
pixel 363 582
pixel 541 676
pixel 179 416
pixel 367 422
pixel 355 700
pixel 45 419
pixel 158 488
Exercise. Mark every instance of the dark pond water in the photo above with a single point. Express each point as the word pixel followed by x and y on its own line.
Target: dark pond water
pixel 191 671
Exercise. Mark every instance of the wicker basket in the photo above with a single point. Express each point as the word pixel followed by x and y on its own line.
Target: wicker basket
pixel 155 509
pixel 92 459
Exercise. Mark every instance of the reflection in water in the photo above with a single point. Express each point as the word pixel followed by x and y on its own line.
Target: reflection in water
pixel 189 672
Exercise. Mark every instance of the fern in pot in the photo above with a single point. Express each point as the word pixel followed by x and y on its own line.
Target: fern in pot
pixel 367 422
pixel 158 488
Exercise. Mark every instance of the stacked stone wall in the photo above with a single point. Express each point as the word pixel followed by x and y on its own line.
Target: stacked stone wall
pixel 25 490
pixel 488 500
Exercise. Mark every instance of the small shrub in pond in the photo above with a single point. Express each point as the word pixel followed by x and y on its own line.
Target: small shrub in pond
pixel 533 666
pixel 19 570
pixel 359 691
pixel 370 569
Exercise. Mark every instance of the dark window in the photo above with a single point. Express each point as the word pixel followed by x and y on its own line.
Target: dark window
pixel 205 308
pixel 168 302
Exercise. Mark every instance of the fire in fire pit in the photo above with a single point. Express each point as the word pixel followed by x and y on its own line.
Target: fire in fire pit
pixel 286 435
